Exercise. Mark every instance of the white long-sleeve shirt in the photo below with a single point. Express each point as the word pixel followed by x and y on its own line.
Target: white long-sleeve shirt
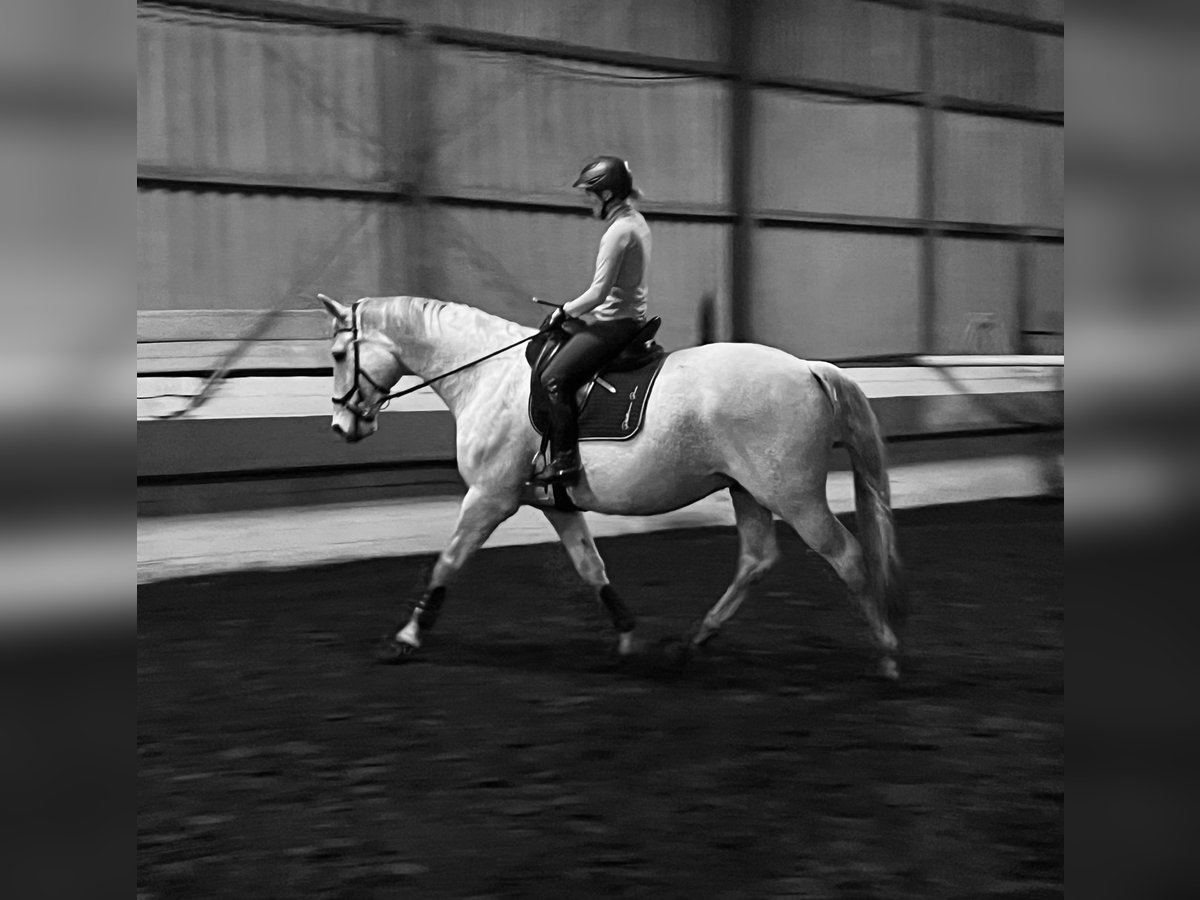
pixel 618 289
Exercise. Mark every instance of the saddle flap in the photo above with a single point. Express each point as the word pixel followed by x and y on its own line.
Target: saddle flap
pixel 543 348
pixel 640 352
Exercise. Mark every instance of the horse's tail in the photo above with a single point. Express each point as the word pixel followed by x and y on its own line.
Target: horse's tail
pixel 872 492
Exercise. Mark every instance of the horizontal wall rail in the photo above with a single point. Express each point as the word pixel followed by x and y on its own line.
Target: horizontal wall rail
pixel 180 179
pixel 953 10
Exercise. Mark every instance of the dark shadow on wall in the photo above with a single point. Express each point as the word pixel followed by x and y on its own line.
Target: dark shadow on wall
pixel 706 324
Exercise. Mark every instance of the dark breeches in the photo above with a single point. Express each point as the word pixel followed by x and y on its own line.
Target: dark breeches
pixel 584 354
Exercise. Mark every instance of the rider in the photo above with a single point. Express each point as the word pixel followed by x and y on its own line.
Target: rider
pixel 606 316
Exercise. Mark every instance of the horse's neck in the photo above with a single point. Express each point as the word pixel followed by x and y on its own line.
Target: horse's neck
pixel 435 338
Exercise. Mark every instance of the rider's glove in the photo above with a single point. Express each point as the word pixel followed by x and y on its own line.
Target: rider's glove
pixel 556 318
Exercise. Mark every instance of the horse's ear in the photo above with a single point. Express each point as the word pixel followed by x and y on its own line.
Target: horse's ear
pixel 337 310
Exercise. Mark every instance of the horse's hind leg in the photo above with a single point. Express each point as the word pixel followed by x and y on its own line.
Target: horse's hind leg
pixel 759 552
pixel 818 527
pixel 577 539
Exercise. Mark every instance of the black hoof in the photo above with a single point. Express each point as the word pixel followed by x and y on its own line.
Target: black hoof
pixel 674 654
pixel 392 651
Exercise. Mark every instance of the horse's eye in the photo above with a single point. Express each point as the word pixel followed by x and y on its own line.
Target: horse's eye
pixel 339 355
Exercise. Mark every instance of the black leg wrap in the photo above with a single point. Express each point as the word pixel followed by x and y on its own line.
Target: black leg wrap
pixel 428 607
pixel 622 618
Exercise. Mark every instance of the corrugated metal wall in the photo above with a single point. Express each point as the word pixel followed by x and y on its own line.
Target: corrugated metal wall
pixel 293 102
pixel 831 295
pixel 839 294
pixel 680 29
pixel 245 251
pixel 982 61
pixel 1045 311
pixel 306 130
pixel 498 259
pixel 977 280
pixel 514 123
pixel 825 157
pixel 999 171
pixel 837 40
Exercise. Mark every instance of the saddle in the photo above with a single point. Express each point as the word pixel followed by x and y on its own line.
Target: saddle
pixel 612 413
pixel 637 361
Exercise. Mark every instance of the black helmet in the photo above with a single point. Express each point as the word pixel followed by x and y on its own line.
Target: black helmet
pixel 607 173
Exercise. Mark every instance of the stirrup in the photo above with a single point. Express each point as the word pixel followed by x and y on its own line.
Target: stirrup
pixel 557 472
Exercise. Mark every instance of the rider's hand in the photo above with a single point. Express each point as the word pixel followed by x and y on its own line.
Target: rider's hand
pixel 556 318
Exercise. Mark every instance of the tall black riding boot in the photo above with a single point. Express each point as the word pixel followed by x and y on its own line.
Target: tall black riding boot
pixel 564 439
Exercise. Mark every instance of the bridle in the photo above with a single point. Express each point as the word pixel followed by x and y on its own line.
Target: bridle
pixel 385 397
pixel 360 373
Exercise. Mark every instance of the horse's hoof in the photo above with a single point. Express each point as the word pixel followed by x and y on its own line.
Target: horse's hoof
pixel 888 669
pixel 392 650
pixel 675 654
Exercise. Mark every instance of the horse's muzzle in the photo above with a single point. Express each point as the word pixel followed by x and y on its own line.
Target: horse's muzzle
pixel 352 428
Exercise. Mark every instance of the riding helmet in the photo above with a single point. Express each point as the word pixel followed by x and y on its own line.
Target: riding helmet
pixel 607 173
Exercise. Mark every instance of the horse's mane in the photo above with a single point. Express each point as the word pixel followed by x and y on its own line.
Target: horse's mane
pixel 434 317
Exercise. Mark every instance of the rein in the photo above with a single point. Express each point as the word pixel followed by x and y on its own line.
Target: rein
pixel 385 396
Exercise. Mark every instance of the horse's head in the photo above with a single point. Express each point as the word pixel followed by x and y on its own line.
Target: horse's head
pixel 365 367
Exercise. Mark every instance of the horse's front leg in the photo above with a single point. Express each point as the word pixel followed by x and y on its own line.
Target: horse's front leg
pixel 478 517
pixel 577 538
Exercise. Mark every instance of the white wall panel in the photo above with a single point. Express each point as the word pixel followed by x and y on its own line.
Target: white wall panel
pixel 231 251
pixel 509 122
pixel 836 158
pixel 999 171
pixel 316 103
pixel 682 29
pixel 977 281
pixel 152 143
pixel 691 260
pixel 981 61
pixel 829 295
pixel 498 259
pixel 1050 73
pixel 837 40
pixel 288 101
pixel 1045 311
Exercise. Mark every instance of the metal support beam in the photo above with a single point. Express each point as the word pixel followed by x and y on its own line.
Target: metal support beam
pixel 927 148
pixel 285 12
pixel 391 72
pixel 1024 293
pixel 423 265
pixel 741 167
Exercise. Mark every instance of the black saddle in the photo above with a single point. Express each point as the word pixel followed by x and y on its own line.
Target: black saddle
pixel 641 350
pixel 637 363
